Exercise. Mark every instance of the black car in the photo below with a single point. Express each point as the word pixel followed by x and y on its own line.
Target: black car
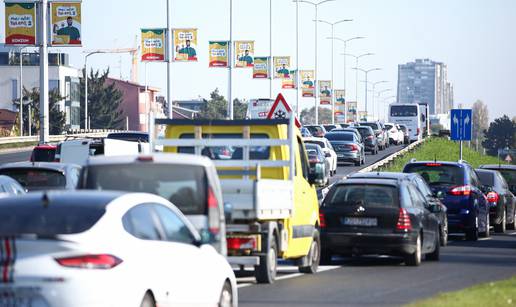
pixel 434 203
pixel 370 140
pixel 316 130
pixel 318 162
pixel 381 136
pixel 378 216
pixel 501 200
pixel 331 127
pixel 508 172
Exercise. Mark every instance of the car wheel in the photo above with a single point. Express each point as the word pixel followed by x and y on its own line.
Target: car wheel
pixel 472 234
pixel 500 228
pixel 444 235
pixel 226 296
pixel 359 162
pixel 435 255
pixel 148 301
pixel 314 255
pixel 486 233
pixel 512 225
pixel 265 272
pixel 414 259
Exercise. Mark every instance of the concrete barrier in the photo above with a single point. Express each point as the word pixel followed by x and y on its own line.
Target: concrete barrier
pixel 390 158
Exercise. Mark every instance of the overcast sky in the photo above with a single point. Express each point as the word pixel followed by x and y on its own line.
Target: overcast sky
pixel 475 38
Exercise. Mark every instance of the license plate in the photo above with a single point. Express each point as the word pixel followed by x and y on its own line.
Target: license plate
pixel 21 297
pixel 359 221
pixel 340 156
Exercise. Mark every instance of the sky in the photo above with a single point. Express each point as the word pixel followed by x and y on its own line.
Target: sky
pixel 475 38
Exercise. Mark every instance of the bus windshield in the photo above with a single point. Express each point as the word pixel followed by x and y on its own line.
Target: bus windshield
pixel 403 111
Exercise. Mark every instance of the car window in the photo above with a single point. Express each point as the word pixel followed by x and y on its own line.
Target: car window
pixel 417 199
pixel 437 174
pixel 423 186
pixel 142 223
pixel 320 143
pixel 486 178
pixel 338 136
pixel 474 178
pixel 302 155
pixel 36 178
pixel 363 194
pixel 174 228
pixel 44 154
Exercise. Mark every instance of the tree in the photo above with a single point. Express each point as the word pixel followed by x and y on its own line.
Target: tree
pixel 56 119
pixel 501 134
pixel 104 102
pixel 480 122
pixel 217 106
pixel 308 116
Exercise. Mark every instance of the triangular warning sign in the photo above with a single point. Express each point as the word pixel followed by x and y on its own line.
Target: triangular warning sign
pixel 281 110
pixel 508 159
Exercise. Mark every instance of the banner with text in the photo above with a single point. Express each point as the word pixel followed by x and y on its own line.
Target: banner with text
pixel 325 93
pixel 307 83
pixel 352 111
pixel 290 82
pixel 261 68
pixel 281 67
pixel 20 27
pixel 244 54
pixel 185 45
pixel 153 45
pixel 218 51
pixel 65 20
pixel 340 97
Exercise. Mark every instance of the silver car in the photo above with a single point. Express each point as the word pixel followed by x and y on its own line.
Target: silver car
pixel 347 147
pixel 9 186
pixel 37 176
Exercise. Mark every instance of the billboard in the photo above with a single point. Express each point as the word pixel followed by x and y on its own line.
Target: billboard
pixel 325 93
pixel 20 27
pixel 153 44
pixel 340 97
pixel 65 20
pixel 185 44
pixel 281 67
pixel 352 111
pixel 244 54
pixel 290 82
pixel 218 51
pixel 261 68
pixel 307 83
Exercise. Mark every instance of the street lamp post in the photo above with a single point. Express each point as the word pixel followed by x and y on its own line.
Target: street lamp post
pixel 230 62
pixel 316 6
pixel 332 24
pixel 374 90
pixel 366 72
pixel 21 91
pixel 170 39
pixel 86 118
pixel 378 95
pixel 357 57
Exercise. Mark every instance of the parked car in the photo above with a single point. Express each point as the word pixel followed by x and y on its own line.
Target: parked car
pixel 328 151
pixel 459 188
pixel 395 135
pixel 502 213
pixel 433 203
pixel 508 172
pixel 347 147
pixel 377 216
pixel 369 137
pixel 406 136
pixel 71 245
pixel 305 132
pixel 316 130
pixel 36 176
pixel 318 162
pixel 331 127
pixel 190 182
pixel 43 153
pixel 379 133
pixel 9 186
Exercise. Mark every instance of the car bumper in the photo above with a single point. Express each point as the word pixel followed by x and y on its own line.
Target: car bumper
pixel 348 156
pixel 361 243
pixel 461 222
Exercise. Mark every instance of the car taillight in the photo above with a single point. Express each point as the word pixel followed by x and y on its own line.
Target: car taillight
pixel 213 213
pixel 102 261
pixel 492 197
pixel 370 137
pixel 322 220
pixel 433 164
pixel 463 190
pixel 404 223
pixel 241 243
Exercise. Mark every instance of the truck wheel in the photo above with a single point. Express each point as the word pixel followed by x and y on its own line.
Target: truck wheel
pixel 314 255
pixel 265 273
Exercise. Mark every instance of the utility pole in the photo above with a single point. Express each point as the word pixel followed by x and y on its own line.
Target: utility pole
pixel 170 40
pixel 43 74
pixel 230 62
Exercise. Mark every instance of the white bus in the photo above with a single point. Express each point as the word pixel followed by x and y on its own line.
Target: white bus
pixel 408 114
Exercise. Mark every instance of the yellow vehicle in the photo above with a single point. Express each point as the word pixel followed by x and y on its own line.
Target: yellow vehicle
pixel 270 201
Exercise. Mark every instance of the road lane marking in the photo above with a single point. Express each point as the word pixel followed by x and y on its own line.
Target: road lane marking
pixel 291 272
pixel 484 239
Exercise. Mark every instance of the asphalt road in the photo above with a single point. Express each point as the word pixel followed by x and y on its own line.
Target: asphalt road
pixel 14 156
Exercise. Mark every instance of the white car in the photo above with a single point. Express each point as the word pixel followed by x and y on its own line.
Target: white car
pixel 396 135
pixel 90 248
pixel 330 154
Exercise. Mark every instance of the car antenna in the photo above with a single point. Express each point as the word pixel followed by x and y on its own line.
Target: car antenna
pixel 45 200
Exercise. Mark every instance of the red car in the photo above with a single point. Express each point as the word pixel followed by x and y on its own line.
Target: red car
pixel 44 153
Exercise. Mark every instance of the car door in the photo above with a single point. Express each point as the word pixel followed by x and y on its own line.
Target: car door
pixel 428 220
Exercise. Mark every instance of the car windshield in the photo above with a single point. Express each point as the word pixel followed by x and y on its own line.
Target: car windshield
pixel 183 185
pixel 486 178
pixel 320 143
pixel 364 195
pixel 437 173
pixel 43 154
pixel 364 131
pixel 34 179
pixel 372 125
pixel 339 136
pixel 388 127
pixel 403 111
pixel 510 177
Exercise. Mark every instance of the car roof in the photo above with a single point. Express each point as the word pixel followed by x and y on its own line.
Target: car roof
pixel 4 179
pixel 98 199
pixel 171 158
pixel 390 182
pixel 383 175
pixel 498 166
pixel 41 165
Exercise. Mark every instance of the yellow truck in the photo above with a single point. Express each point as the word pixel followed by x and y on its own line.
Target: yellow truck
pixel 271 204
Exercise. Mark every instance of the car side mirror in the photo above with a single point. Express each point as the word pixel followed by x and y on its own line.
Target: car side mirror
pixel 327 154
pixel 316 175
pixel 486 188
pixel 439 194
pixel 204 238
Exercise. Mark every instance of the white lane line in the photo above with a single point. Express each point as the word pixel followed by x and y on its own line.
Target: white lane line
pixel 289 276
pixel 484 239
pixel 512 234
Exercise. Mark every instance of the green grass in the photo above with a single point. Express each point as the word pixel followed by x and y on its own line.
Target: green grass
pixel 17 145
pixel 493 294
pixel 440 149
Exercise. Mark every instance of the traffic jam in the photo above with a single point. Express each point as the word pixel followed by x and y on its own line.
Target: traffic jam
pixel 181 214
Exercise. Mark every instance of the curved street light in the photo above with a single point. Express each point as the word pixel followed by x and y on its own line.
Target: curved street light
pixel 366 72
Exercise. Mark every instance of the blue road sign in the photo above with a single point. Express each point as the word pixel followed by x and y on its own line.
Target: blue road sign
pixel 461 124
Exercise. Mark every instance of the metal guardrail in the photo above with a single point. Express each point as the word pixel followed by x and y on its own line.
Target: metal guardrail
pixel 56 138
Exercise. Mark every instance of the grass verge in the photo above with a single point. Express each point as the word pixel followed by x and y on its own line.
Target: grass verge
pixel 493 294
pixel 17 145
pixel 440 149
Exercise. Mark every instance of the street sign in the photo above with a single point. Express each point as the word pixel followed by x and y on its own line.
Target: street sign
pixel 461 124
pixel 508 159
pixel 281 110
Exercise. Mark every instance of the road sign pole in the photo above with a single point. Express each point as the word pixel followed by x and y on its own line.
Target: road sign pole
pixel 43 74
pixel 460 150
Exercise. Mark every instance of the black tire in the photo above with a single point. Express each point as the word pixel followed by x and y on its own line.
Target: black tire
pixel 226 296
pixel 444 235
pixel 500 228
pixel 472 234
pixel 359 162
pixel 325 257
pixel 487 232
pixel 435 255
pixel 265 273
pixel 414 259
pixel 512 225
pixel 148 300
pixel 314 255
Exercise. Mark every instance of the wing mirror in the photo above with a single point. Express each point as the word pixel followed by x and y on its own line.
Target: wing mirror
pixel 316 174
pixel 439 194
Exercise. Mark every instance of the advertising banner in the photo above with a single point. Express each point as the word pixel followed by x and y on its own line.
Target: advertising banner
pixel 185 45
pixel 339 97
pixel 362 115
pixel 290 82
pixel 153 45
pixel 325 93
pixel 244 54
pixel 218 54
pixel 307 83
pixel 281 67
pixel 261 68
pixel 352 111
pixel 65 20
pixel 20 27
